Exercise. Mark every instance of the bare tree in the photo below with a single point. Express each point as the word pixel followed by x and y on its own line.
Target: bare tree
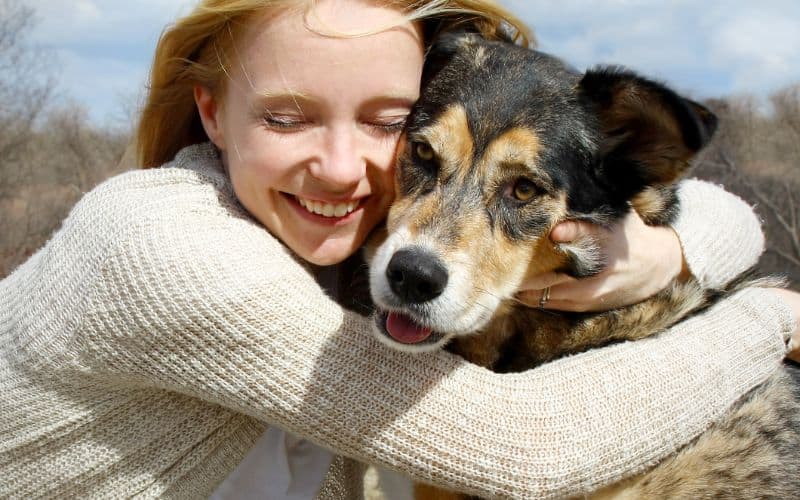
pixel 26 83
pixel 786 134
pixel 50 152
pixel 757 155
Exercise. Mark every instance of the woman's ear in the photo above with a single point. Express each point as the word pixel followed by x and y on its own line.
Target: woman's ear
pixel 210 115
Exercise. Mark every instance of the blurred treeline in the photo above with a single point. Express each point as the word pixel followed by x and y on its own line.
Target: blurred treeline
pixel 756 154
pixel 51 153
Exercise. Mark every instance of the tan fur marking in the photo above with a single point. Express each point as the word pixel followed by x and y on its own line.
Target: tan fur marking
pixel 451 139
pixel 424 211
pixel 624 490
pixel 396 213
pixel 546 256
pixel 425 492
pixel 516 146
pixel 649 201
pixel 500 262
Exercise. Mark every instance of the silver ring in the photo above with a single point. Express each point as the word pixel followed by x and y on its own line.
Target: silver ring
pixel 545 297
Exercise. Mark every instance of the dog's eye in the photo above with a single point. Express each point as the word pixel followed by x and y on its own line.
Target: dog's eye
pixel 524 190
pixel 423 151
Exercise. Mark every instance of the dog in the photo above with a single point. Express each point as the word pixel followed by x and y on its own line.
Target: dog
pixel 506 142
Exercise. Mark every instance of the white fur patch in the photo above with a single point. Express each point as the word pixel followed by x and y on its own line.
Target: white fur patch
pixel 464 306
pixel 586 252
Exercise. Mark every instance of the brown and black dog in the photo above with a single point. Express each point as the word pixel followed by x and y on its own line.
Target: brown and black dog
pixel 506 142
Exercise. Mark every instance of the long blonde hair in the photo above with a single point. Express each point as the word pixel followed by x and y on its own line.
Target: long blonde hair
pixel 196 51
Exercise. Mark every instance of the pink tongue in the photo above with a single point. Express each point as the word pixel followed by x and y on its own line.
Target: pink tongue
pixel 402 329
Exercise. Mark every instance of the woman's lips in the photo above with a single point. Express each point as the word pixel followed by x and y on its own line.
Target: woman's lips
pixel 327 209
pixel 324 212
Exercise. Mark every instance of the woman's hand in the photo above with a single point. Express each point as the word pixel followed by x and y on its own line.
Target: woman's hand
pixel 792 298
pixel 641 261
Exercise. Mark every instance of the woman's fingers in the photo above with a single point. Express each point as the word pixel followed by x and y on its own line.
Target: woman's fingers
pixel 640 261
pixel 571 295
pixel 568 231
pixel 532 289
pixel 532 296
pixel 541 281
pixel 567 294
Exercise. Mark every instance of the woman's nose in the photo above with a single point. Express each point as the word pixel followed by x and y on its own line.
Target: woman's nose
pixel 341 162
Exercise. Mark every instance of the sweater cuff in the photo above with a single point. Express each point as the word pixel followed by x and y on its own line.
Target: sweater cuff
pixel 768 309
pixel 719 232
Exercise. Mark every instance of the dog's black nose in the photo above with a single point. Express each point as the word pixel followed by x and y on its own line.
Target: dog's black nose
pixel 416 275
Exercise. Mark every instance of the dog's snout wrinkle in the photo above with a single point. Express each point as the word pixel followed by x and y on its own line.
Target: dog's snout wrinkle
pixel 416 275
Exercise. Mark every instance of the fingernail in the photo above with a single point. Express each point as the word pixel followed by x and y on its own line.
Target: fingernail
pixel 564 232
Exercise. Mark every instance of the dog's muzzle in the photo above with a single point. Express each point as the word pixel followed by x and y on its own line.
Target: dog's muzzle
pixel 416 275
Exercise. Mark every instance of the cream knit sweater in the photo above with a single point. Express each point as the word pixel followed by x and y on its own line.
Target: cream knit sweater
pixel 146 346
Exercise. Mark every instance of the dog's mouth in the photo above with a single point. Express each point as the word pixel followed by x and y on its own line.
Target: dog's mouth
pixel 404 330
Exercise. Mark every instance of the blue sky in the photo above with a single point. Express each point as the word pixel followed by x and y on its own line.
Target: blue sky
pixel 705 49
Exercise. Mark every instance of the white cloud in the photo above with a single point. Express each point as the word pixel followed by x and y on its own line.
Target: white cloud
pixel 760 48
pixel 86 9
pixel 103 21
pixel 103 47
pixel 709 48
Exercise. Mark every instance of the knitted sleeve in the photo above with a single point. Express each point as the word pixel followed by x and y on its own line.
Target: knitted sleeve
pixel 217 309
pixel 720 234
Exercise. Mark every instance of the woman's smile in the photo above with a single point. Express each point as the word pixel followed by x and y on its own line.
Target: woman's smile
pixel 326 213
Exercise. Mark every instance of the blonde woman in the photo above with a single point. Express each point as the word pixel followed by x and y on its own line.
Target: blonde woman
pixel 172 339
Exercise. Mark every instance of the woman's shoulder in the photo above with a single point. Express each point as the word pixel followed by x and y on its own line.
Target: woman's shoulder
pixel 182 217
pixel 183 198
pixel 196 168
pixel 191 185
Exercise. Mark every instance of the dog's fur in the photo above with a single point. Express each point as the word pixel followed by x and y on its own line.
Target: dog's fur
pixel 505 143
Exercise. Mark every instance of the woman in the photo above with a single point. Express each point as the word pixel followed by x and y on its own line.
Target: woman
pixel 163 331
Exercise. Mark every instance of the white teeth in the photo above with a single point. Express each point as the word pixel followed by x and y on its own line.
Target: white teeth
pixel 327 209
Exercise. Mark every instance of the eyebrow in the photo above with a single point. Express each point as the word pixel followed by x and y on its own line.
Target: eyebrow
pixel 283 95
pixel 297 97
pixel 292 95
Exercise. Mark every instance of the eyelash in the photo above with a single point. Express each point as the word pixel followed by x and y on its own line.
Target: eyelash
pixel 390 128
pixel 272 123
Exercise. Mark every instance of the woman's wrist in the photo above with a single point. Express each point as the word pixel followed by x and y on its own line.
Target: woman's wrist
pixel 684 271
pixel 719 233
pixel 792 300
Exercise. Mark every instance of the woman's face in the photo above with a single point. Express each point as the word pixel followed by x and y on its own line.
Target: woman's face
pixel 308 124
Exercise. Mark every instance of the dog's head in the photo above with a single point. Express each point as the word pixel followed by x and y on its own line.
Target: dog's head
pixel 503 144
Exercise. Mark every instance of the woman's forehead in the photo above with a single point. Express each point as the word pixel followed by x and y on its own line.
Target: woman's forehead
pixel 281 60
pixel 332 18
pixel 287 46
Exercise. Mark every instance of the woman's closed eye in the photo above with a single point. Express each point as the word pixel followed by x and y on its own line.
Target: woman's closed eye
pixel 285 122
pixel 388 125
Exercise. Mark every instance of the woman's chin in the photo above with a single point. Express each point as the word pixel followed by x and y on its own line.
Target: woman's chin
pixel 330 252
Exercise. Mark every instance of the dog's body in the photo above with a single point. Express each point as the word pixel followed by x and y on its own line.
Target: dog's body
pixel 504 144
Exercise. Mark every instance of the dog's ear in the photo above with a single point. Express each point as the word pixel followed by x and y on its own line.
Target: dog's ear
pixel 444 48
pixel 650 132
